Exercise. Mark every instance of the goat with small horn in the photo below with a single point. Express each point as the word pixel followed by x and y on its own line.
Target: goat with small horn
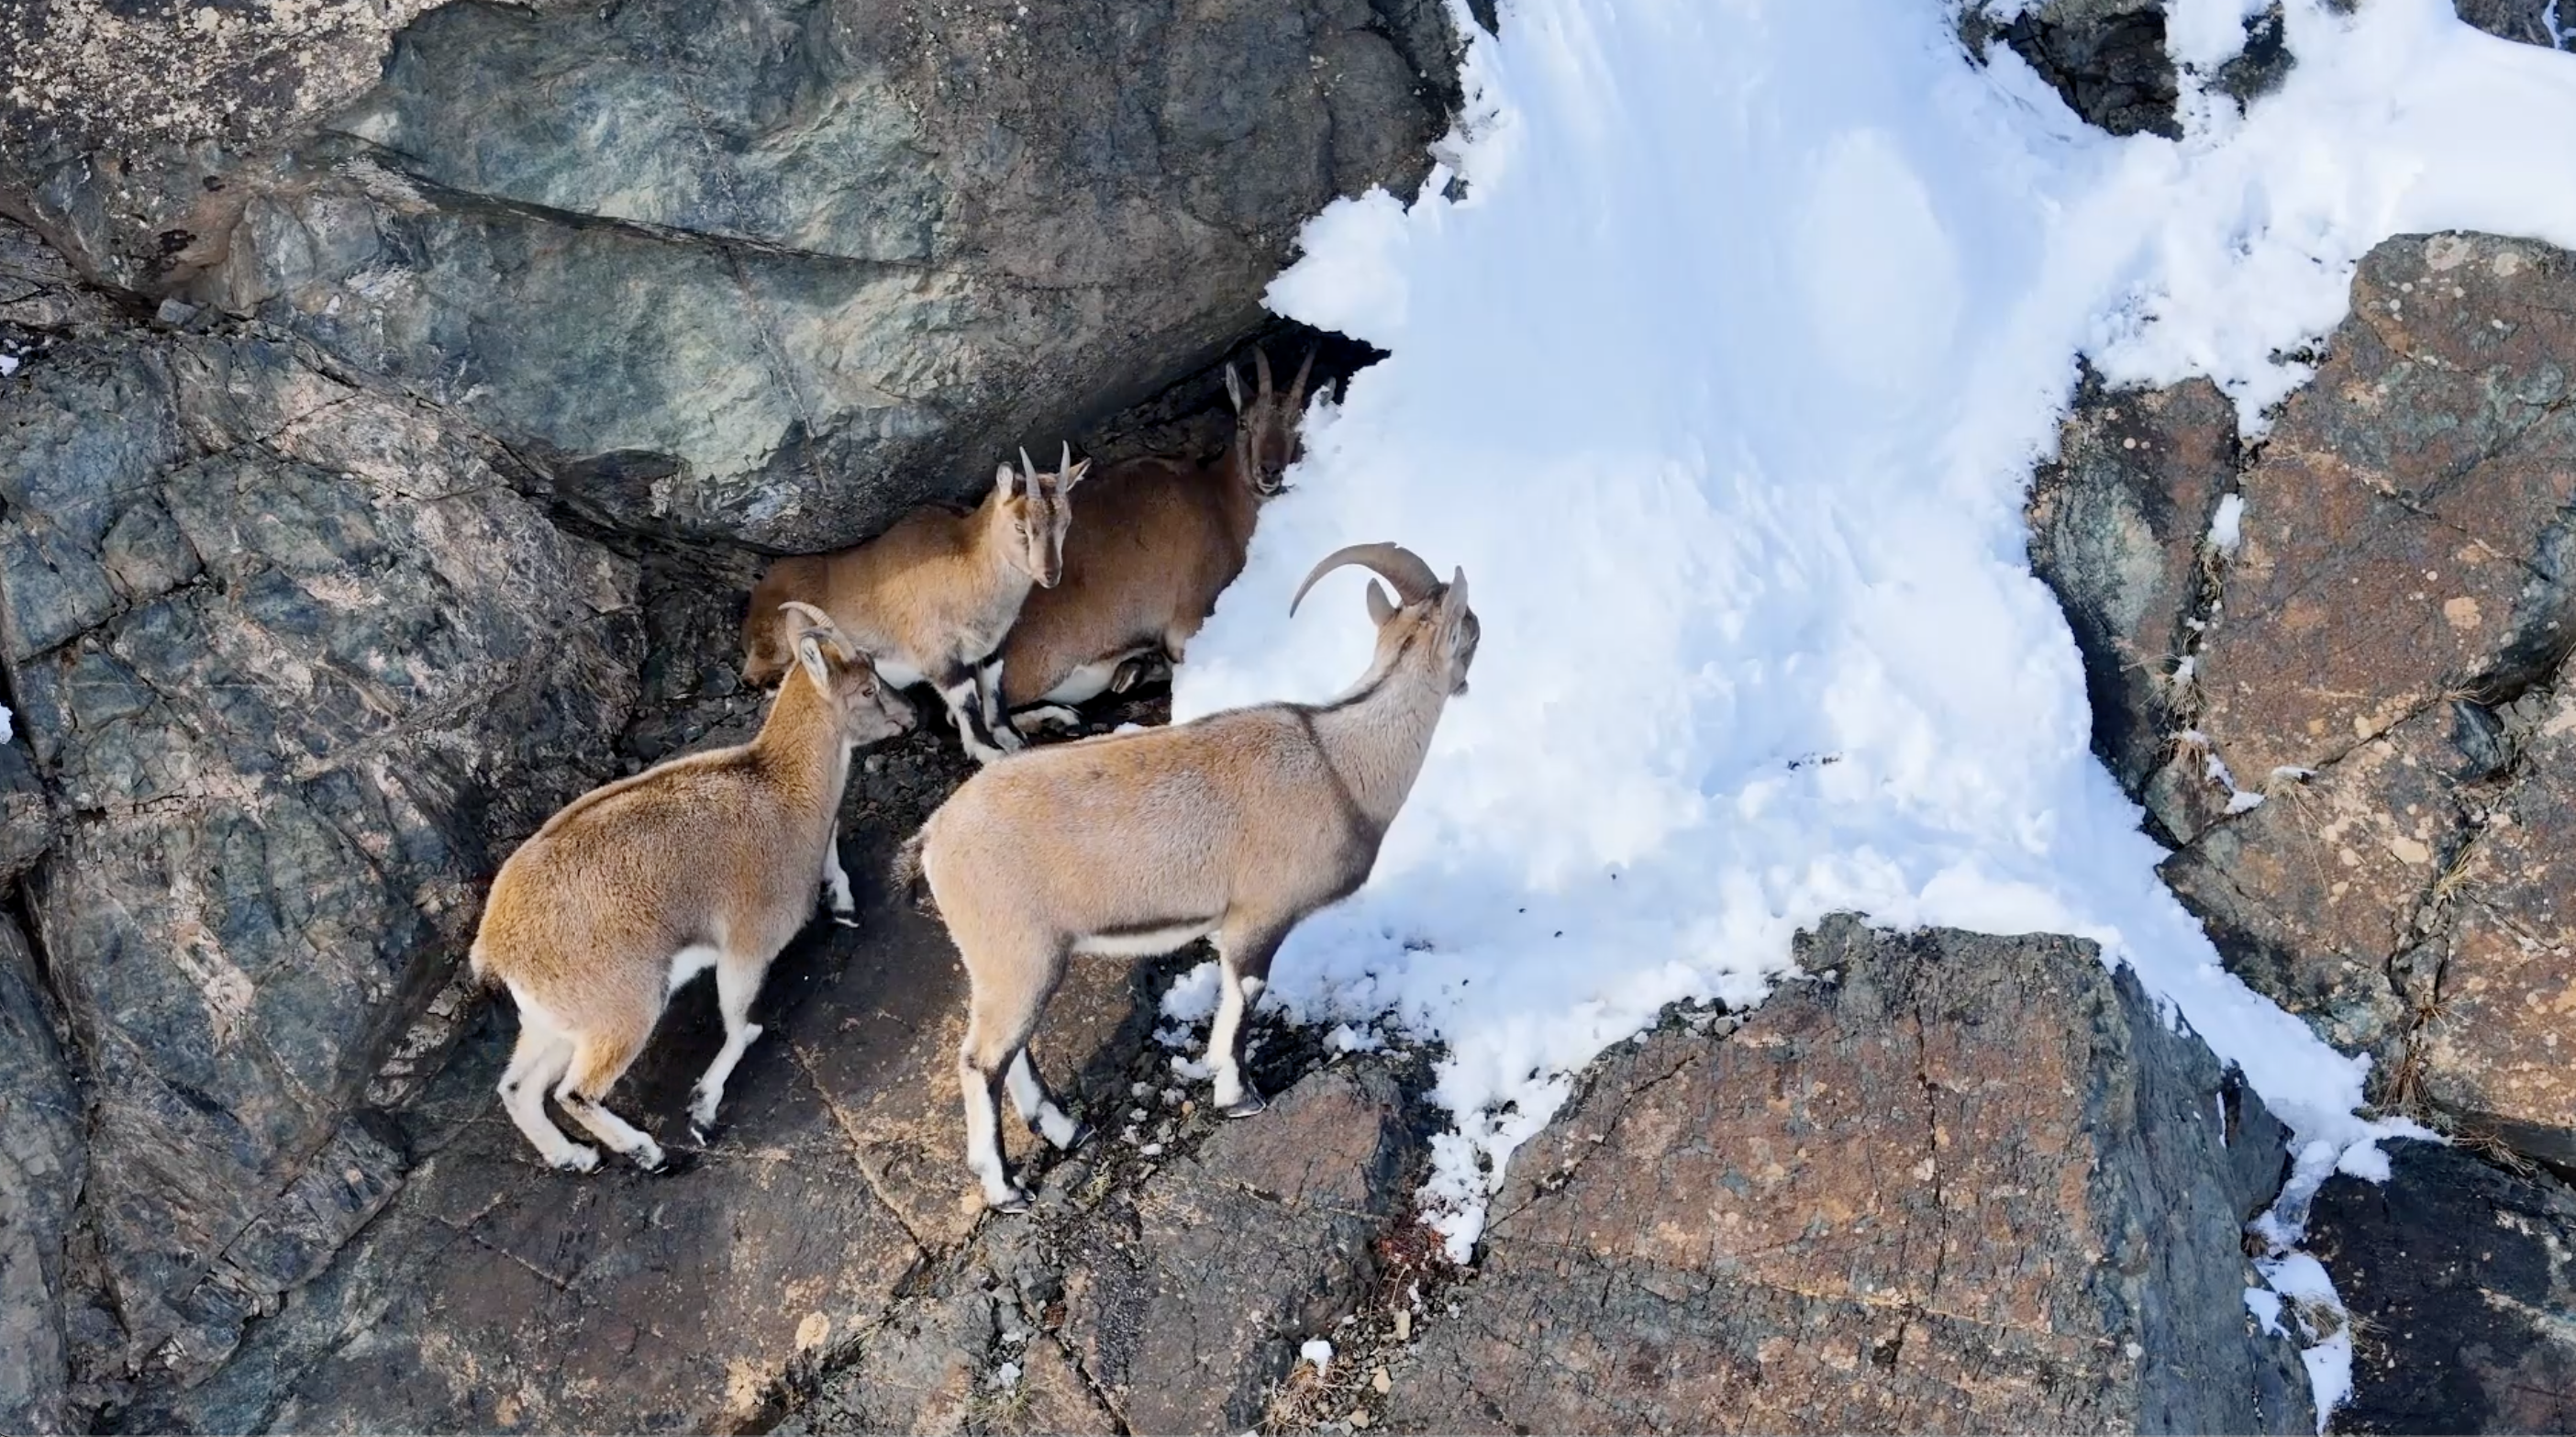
pixel 1160 539
pixel 1237 826
pixel 933 596
pixel 710 860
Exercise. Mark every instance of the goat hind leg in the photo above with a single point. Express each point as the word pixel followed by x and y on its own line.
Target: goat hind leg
pixel 1038 1106
pixel 540 1059
pixel 737 984
pixel 597 1063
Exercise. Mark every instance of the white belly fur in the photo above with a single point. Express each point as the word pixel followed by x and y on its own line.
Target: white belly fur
pixel 897 674
pixel 1083 685
pixel 1142 945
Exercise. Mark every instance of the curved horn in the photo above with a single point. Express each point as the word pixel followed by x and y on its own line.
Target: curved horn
pixel 820 619
pixel 1066 464
pixel 1261 368
pixel 1027 468
pixel 1297 386
pixel 1398 565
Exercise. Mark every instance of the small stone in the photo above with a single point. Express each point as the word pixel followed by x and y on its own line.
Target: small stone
pixel 1403 1325
pixel 1381 1382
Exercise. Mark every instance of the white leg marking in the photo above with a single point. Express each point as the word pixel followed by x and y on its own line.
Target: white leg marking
pixel 836 881
pixel 984 1140
pixel 611 1129
pixel 964 708
pixel 539 1063
pixel 988 691
pixel 1029 1096
pixel 1229 1017
pixel 736 985
pixel 688 963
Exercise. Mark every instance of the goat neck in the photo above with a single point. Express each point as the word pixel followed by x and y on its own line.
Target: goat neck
pixel 1377 734
pixel 800 743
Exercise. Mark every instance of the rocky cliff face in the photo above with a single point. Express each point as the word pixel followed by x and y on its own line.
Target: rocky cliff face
pixel 391 421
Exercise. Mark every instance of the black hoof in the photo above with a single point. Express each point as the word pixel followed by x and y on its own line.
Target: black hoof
pixel 675 1163
pixel 846 920
pixel 1082 1133
pixel 1244 1107
pixel 1013 1206
pixel 704 1134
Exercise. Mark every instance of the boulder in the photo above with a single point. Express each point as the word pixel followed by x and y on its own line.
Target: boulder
pixel 1951 1183
pixel 2460 1281
pixel 2533 22
pixel 123 118
pixel 2105 58
pixel 778 270
pixel 2116 527
pixel 297 662
pixel 41 1161
pixel 2349 724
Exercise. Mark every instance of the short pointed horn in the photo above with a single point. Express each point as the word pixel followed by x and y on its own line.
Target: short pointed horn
pixel 1297 386
pixel 1066 464
pixel 819 621
pixel 1261 368
pixel 1398 565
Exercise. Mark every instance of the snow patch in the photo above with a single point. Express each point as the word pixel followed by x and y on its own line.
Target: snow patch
pixel 1723 381
pixel 2226 527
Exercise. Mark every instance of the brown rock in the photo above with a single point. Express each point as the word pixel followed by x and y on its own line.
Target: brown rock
pixel 2393 523
pixel 2313 896
pixel 1976 1184
pixel 1187 1299
pixel 2498 1049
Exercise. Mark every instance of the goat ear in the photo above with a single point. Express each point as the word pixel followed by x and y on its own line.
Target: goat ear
pixel 1457 588
pixel 1002 480
pixel 1234 387
pixel 1073 475
pixel 809 652
pixel 1381 608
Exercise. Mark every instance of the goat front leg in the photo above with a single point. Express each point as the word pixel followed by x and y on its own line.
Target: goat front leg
pixel 960 689
pixel 988 690
pixel 1244 955
pixel 836 882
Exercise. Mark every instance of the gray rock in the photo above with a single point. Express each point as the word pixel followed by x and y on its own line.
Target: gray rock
pixel 2106 58
pixel 41 1164
pixel 121 120
pixel 2460 1279
pixel 2117 526
pixel 2525 20
pixel 776 270
pixel 296 660
pixel 1956 1183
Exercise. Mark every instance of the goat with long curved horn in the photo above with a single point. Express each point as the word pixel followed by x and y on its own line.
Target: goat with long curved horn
pixel 1237 825
pixel 1398 565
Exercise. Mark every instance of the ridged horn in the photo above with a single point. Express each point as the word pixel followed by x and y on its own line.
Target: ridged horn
pixel 1398 565
pixel 1297 386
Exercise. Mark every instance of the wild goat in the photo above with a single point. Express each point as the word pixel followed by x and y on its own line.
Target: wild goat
pixel 932 597
pixel 1238 825
pixel 707 861
pixel 1159 540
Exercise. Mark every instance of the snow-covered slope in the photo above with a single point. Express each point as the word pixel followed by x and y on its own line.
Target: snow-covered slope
pixel 1723 382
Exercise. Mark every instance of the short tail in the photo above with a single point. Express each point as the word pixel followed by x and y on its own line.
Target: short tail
pixel 907 873
pixel 483 977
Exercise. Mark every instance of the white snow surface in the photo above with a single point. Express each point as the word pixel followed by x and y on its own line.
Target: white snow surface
pixel 1723 383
